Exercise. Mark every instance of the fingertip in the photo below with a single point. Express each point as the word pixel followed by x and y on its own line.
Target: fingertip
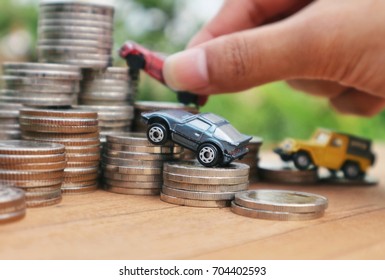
pixel 186 70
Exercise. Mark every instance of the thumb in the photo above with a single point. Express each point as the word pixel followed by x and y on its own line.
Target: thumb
pixel 285 50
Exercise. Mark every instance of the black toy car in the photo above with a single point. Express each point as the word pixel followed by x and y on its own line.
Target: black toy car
pixel 213 138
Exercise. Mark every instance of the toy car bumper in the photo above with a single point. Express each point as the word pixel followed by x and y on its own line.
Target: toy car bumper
pixel 239 153
pixel 285 156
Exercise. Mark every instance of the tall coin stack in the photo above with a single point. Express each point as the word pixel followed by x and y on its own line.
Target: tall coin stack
pixel 190 184
pixel 37 168
pixel 12 204
pixel 252 158
pixel 132 165
pixel 40 84
pixel 281 205
pixel 75 33
pixel 78 132
pixel 9 121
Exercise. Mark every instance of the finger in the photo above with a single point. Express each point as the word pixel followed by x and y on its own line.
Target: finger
pixel 237 15
pixel 245 59
pixel 327 89
pixel 358 103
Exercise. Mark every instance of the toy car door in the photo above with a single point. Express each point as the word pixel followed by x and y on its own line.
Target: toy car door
pixel 191 132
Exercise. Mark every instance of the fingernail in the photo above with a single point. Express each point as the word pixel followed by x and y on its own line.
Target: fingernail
pixel 186 70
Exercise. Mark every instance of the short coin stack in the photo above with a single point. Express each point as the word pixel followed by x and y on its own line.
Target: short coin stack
pixel 12 204
pixel 280 205
pixel 108 87
pixel 132 165
pixel 78 132
pixel 40 84
pixel 286 174
pixel 9 121
pixel 75 33
pixel 149 106
pixel 252 158
pixel 190 184
pixel 37 168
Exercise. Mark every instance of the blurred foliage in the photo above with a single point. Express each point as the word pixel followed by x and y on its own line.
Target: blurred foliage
pixel 273 111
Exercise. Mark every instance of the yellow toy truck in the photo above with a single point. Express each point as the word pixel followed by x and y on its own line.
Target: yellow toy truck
pixel 332 150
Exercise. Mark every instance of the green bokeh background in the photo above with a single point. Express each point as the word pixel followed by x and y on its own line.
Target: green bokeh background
pixel 272 111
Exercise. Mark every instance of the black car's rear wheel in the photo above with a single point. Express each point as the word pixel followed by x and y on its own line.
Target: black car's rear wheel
pixel 157 134
pixel 208 155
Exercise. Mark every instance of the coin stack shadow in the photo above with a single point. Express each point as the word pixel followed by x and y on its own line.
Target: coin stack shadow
pixel 12 204
pixel 150 106
pixel 75 33
pixel 286 173
pixel 132 165
pixel 281 205
pixel 252 158
pixel 78 131
pixel 37 168
pixel 190 184
pixel 9 121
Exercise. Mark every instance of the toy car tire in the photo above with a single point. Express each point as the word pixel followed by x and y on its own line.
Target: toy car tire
pixel 208 155
pixel 157 134
pixel 302 160
pixel 351 171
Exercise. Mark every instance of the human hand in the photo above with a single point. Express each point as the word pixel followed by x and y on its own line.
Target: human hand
pixel 330 48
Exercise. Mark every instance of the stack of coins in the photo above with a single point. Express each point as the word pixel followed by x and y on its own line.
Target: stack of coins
pixel 149 106
pixel 12 204
pixel 286 173
pixel 75 33
pixel 132 165
pixel 109 87
pixel 37 168
pixel 111 119
pixel 78 132
pixel 41 85
pixel 279 205
pixel 252 157
pixel 9 121
pixel 190 184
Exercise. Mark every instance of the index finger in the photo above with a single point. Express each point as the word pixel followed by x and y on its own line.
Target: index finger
pixel 237 15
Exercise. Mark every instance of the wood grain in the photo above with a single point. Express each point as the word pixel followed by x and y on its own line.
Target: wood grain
pixel 104 225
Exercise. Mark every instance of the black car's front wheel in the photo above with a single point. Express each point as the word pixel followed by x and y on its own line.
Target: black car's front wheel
pixel 208 155
pixel 157 134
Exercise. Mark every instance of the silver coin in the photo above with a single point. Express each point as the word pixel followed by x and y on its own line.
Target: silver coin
pixel 38 101
pixel 10 81
pixel 131 191
pixel 132 185
pixel 194 203
pixel 274 215
pixel 75 28
pixel 75 43
pixel 88 63
pixel 205 180
pixel 132 177
pixel 110 113
pixel 105 96
pixel 10 196
pixel 74 15
pixel 131 162
pixel 71 35
pixel 76 22
pixel 206 187
pixel 22 147
pixel 196 195
pixel 140 156
pixel 132 170
pixel 41 67
pixel 77 7
pixel 47 74
pixel 144 149
pixel 74 51
pixel 107 83
pixel 193 168
pixel 12 216
pixel 281 201
pixel 132 138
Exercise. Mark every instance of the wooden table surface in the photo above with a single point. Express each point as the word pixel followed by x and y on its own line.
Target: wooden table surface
pixel 104 225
